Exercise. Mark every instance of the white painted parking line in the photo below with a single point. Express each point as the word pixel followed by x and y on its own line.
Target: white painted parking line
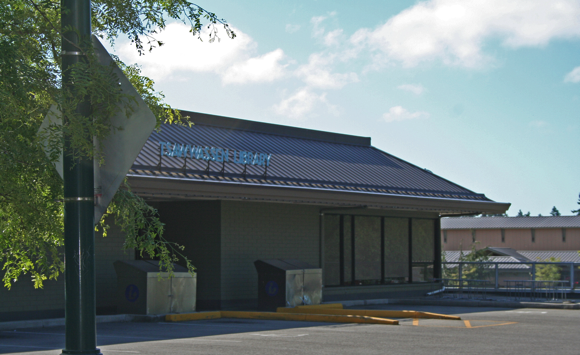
pixel 536 312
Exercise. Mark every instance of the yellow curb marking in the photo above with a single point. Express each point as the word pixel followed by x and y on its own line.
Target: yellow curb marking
pixel 467 324
pixel 280 316
pixel 415 321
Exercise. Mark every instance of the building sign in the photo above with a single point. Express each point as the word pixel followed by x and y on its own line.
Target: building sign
pixel 222 155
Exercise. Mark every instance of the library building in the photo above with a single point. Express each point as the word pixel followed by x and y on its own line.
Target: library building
pixel 234 191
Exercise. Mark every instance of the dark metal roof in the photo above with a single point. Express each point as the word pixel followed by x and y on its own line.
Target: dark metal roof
pixel 506 252
pixel 543 255
pixel 510 222
pixel 300 158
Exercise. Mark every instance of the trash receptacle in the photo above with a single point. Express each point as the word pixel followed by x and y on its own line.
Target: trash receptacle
pixel 140 291
pixel 287 283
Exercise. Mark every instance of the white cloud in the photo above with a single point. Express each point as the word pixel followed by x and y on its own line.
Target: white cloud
pixel 266 68
pixel 333 38
pixel 454 31
pixel 538 124
pixel 234 60
pixel 573 76
pixel 416 89
pixel 292 28
pixel 302 103
pixel 317 28
pixel 398 113
pixel 317 73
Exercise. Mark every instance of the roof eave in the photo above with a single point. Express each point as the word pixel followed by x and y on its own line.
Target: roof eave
pixel 178 189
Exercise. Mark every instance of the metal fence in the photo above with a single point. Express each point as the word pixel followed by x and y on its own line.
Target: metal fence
pixel 533 280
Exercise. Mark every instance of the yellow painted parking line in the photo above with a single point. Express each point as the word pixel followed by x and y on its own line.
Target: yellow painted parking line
pixel 307 317
pixel 369 313
pixel 493 325
pixel 467 324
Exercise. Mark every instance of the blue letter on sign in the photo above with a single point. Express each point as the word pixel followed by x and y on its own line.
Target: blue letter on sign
pixel 272 288
pixel 132 293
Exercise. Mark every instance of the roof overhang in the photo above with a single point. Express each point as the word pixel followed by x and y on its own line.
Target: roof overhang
pixel 167 188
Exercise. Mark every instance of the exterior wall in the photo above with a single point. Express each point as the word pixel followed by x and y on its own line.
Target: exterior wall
pixel 456 240
pixel 196 226
pixel 107 251
pixel 23 301
pixel 254 230
pixel 518 239
pixel 572 239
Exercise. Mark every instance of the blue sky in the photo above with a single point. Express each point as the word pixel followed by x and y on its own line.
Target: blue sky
pixel 485 93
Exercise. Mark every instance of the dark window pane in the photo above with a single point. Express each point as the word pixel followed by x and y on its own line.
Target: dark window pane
pixel 423 240
pixel 423 251
pixel 367 241
pixel 396 250
pixel 331 251
pixel 347 250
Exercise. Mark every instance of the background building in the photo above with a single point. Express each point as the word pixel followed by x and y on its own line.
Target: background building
pixel 519 233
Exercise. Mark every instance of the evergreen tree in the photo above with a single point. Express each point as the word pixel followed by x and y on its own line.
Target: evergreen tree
pixel 578 210
pixel 521 214
pixel 555 212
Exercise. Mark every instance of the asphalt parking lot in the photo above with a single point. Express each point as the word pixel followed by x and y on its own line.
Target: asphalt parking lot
pixel 481 331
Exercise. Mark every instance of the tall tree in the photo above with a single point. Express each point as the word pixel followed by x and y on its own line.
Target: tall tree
pixel 555 212
pixel 31 214
pixel 521 214
pixel 578 210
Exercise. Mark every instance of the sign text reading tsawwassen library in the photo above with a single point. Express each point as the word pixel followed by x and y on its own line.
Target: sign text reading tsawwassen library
pixel 199 152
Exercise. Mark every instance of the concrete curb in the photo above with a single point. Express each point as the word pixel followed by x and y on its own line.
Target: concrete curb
pixel 41 323
pixel 495 304
pixel 454 303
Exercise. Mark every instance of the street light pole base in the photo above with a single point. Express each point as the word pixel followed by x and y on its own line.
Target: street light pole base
pixel 82 352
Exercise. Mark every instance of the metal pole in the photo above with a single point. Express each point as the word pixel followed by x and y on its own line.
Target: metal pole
pixel 79 238
pixel 496 276
pixel 321 245
pixel 572 281
pixel 460 271
pixel 437 244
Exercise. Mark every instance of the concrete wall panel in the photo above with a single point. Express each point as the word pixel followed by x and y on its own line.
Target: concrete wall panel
pixel 252 231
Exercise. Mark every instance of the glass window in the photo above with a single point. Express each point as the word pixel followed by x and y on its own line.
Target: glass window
pixel 359 250
pixel 347 250
pixel 331 250
pixel 367 250
pixel 396 250
pixel 423 249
